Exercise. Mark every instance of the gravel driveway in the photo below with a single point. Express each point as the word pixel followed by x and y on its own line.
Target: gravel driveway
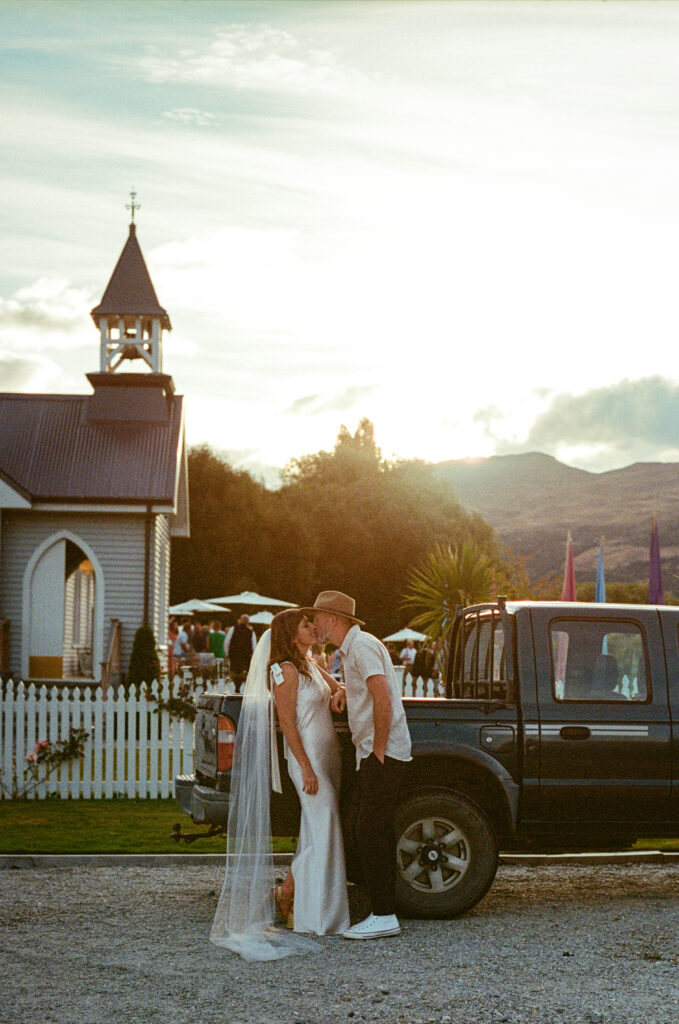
pixel 121 945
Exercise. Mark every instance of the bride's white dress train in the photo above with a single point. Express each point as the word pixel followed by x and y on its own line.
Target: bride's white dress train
pixel 321 902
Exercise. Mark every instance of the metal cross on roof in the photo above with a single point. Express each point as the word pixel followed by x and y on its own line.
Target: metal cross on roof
pixel 132 206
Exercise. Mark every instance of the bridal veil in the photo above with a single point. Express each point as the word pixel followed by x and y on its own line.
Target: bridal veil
pixel 244 920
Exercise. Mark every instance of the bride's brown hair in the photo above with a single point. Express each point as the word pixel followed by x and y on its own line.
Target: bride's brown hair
pixel 284 628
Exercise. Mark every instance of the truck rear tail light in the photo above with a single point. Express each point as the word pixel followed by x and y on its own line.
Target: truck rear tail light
pixel 226 734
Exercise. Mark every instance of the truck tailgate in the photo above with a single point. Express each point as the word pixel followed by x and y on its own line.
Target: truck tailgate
pixel 205 735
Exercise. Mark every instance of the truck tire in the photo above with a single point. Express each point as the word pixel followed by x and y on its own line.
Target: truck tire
pixel 446 854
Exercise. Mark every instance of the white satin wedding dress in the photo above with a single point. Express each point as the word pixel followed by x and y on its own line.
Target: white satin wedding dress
pixel 244 919
pixel 321 903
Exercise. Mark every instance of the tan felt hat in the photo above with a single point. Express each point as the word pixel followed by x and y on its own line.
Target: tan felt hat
pixel 337 603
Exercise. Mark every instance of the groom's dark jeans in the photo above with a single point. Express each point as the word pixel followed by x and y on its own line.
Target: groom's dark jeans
pixel 378 786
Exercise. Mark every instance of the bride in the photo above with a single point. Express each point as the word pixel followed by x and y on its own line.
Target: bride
pixel 313 897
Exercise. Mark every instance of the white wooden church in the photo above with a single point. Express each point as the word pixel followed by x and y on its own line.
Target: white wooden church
pixel 92 487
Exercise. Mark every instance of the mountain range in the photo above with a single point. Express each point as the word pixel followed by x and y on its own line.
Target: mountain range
pixel 532 500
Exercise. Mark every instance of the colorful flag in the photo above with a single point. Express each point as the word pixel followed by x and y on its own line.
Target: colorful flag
pixel 656 593
pixel 600 578
pixel 568 592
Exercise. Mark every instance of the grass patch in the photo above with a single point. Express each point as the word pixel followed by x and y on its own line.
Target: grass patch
pixel 667 845
pixel 123 825
pixel 102 826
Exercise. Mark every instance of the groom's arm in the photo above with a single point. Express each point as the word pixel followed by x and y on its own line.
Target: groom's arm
pixel 379 691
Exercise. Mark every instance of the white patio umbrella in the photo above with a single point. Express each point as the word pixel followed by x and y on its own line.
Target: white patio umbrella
pixel 249 597
pixel 405 634
pixel 261 619
pixel 195 605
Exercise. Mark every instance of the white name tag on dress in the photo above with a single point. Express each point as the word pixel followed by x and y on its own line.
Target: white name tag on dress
pixel 277 674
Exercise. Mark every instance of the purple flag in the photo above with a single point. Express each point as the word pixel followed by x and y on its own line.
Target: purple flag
pixel 656 593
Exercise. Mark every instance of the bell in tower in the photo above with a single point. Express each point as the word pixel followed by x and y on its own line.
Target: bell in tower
pixel 129 317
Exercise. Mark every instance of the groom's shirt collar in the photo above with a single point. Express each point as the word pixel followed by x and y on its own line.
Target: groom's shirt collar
pixel 349 640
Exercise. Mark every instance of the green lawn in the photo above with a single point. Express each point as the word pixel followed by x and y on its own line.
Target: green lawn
pixel 101 826
pixel 125 826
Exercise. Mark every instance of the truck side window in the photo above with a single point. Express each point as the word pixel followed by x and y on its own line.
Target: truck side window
pixel 480 667
pixel 595 660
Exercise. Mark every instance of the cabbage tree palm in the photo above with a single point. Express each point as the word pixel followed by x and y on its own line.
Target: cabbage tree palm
pixel 451 577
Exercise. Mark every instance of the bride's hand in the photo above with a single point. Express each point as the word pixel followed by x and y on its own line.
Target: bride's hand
pixel 338 701
pixel 309 781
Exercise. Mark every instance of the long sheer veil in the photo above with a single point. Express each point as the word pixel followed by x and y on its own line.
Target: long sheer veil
pixel 244 920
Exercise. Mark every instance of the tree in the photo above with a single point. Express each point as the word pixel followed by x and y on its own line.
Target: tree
pixel 345 519
pixel 450 578
pixel 144 663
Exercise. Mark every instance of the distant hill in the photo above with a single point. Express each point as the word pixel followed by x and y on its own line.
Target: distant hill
pixel 532 500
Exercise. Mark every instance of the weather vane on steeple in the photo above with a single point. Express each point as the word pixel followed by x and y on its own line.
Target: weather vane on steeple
pixel 133 205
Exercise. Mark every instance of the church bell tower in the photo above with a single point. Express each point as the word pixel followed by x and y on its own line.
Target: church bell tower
pixel 130 319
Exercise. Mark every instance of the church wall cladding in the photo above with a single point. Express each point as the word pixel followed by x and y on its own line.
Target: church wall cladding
pixel 117 540
pixel 160 571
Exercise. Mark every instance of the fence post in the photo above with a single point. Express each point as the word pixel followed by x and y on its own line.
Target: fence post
pixel 7 738
pixel 164 742
pixel 86 784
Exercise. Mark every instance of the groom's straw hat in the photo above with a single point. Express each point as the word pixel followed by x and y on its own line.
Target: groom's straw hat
pixel 337 603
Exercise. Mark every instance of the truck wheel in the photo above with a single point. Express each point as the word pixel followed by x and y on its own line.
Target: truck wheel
pixel 446 854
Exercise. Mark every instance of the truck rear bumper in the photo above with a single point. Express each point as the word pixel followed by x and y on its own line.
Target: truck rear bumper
pixel 202 804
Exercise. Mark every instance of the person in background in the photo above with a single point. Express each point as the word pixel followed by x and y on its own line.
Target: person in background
pixel 393 654
pixel 182 649
pixel 172 633
pixel 407 658
pixel 334 662
pixel 199 639
pixel 421 664
pixel 216 639
pixel 239 647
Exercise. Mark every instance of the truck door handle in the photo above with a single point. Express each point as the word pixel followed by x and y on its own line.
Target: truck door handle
pixel 574 732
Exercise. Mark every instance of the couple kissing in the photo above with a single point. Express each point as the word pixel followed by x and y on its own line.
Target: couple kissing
pixel 284 681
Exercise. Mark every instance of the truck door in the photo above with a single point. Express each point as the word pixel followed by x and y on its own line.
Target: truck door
pixel 603 727
pixel 669 621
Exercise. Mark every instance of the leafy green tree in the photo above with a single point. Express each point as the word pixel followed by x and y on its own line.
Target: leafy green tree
pixel 450 578
pixel 345 519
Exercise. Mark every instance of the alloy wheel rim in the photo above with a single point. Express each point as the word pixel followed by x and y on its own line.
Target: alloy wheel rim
pixel 433 855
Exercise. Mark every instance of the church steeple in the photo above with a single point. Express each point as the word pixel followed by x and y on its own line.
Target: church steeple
pixel 129 317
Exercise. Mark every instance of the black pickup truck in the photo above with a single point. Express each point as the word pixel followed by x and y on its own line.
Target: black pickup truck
pixel 559 729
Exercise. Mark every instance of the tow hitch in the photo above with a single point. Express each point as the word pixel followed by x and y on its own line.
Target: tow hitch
pixel 190 837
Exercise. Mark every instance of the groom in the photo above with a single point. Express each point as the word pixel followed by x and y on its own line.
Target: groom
pixel 380 734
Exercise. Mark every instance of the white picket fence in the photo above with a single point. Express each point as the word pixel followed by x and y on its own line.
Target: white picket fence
pixel 133 750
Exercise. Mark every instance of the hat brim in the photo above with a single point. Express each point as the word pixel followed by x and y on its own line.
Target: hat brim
pixel 333 611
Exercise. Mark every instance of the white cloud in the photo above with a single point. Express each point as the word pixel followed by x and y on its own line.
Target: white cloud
pixel 49 304
pixel 244 57
pixel 190 115
pixel 29 372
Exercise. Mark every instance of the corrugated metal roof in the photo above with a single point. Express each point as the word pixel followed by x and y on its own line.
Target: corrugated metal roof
pixel 49 450
pixel 130 291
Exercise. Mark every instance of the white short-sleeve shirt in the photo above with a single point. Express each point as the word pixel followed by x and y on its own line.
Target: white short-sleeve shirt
pixel 363 655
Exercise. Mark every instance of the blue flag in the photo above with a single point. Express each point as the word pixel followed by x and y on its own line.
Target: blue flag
pixel 600 595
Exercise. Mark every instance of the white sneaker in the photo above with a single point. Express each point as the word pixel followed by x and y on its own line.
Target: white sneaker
pixel 374 927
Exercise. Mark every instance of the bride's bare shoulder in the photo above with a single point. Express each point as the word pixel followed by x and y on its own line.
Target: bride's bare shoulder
pixel 284 672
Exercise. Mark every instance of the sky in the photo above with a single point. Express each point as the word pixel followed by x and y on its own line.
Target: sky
pixel 459 219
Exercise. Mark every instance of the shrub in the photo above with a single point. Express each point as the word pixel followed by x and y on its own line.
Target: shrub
pixel 144 663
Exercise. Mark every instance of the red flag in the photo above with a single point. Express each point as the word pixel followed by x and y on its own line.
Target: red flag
pixel 568 592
